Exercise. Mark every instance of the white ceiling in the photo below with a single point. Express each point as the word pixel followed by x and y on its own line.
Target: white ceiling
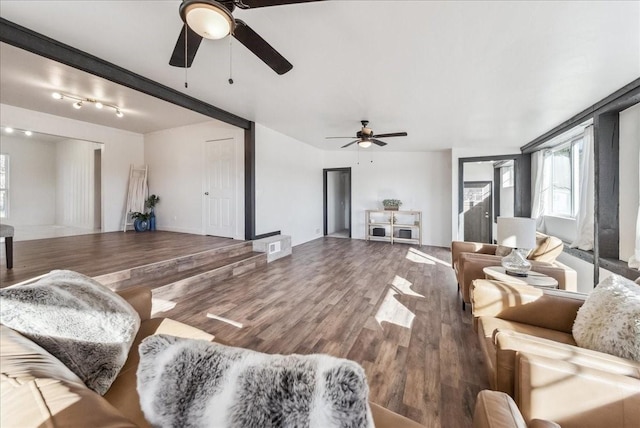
pixel 451 74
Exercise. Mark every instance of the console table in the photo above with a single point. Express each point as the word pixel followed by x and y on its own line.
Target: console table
pixel 398 226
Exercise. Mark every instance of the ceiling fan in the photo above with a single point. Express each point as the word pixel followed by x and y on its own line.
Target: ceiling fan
pixel 211 19
pixel 366 136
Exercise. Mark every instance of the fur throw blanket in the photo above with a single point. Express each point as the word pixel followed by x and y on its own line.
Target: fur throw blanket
pixel 195 383
pixel 84 324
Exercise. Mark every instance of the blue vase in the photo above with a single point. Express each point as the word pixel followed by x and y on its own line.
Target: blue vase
pixel 140 225
pixel 152 221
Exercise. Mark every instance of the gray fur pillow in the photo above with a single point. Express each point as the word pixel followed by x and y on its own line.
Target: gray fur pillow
pixel 609 320
pixel 194 383
pixel 84 324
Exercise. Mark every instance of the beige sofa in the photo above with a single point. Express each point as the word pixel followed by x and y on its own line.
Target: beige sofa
pixel 527 345
pixel 495 409
pixel 37 390
pixel 469 258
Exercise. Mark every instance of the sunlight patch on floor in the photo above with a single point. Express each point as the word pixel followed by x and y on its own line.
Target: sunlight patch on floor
pixel 161 305
pixel 394 312
pixel 420 257
pixel 226 320
pixel 404 287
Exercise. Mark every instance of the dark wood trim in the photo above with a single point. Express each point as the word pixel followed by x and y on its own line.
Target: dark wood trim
pixel 250 182
pixel 620 100
pixel 324 198
pixel 483 183
pixel 266 235
pixel 497 187
pixel 44 46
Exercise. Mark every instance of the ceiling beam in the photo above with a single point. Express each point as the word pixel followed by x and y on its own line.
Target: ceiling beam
pixel 24 38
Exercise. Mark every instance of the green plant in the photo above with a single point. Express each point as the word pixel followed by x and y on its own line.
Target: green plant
pixel 151 201
pixel 140 216
pixel 391 203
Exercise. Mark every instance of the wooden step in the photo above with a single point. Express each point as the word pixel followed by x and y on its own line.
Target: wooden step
pixel 200 279
pixel 166 271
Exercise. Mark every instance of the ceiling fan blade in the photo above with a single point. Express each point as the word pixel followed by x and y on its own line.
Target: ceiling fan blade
pixel 193 43
pixel 263 50
pixel 378 142
pixel 347 145
pixel 251 4
pixel 328 138
pixel 393 134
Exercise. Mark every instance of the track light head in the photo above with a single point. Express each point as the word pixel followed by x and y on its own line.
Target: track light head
pixel 99 104
pixel 28 133
pixel 119 113
pixel 77 105
pixel 57 95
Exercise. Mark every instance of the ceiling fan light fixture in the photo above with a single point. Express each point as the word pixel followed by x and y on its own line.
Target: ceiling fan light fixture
pixel 208 18
pixel 364 144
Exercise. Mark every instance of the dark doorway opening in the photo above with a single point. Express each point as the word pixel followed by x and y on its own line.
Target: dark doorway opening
pixel 337 202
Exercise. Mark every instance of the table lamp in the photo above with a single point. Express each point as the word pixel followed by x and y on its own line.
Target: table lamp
pixel 518 233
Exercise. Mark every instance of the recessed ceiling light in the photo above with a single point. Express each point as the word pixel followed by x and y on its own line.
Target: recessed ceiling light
pixel 57 95
pixel 8 130
pixel 99 104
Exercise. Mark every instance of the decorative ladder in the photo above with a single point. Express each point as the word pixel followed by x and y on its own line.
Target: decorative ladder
pixel 137 193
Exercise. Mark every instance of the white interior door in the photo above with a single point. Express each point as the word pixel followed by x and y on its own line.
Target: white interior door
pixel 220 188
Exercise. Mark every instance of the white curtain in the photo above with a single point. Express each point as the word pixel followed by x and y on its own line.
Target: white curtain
pixel 584 214
pixel 540 187
pixel 634 260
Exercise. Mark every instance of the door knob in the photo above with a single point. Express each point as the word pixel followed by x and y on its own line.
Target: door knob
pixel 206 193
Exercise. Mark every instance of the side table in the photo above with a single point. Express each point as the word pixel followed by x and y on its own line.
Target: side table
pixel 535 279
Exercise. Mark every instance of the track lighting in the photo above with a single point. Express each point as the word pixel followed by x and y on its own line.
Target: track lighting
pixel 10 130
pixel 79 102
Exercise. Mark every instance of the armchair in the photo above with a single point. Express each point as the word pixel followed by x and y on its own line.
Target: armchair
pixel 469 258
pixel 530 353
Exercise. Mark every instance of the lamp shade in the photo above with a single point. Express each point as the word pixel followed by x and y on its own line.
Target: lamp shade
pixel 208 18
pixel 517 232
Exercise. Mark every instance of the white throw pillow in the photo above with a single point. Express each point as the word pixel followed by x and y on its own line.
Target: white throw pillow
pixel 84 324
pixel 609 320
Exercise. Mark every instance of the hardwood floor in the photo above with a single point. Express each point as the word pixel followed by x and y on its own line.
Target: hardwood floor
pixel 394 309
pixel 100 253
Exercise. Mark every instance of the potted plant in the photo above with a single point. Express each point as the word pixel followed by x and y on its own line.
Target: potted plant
pixel 151 203
pixel 392 204
pixel 140 221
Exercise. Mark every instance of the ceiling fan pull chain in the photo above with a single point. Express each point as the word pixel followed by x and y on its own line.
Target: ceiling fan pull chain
pixel 186 40
pixel 230 62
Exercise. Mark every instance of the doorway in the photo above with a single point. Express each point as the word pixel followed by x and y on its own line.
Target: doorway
pixel 337 202
pixel 478 217
pixel 220 188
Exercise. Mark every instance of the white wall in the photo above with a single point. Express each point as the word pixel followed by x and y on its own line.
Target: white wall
pixel 75 196
pixel 629 172
pixel 32 180
pixel 421 180
pixel 288 186
pixel 177 172
pixel 584 271
pixel 121 149
pixel 478 171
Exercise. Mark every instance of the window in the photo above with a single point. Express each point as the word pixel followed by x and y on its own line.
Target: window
pixel 4 185
pixel 507 176
pixel 565 165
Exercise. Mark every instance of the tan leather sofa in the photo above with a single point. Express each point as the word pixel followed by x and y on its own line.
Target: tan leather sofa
pixel 37 390
pixel 469 258
pixel 495 409
pixel 530 353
